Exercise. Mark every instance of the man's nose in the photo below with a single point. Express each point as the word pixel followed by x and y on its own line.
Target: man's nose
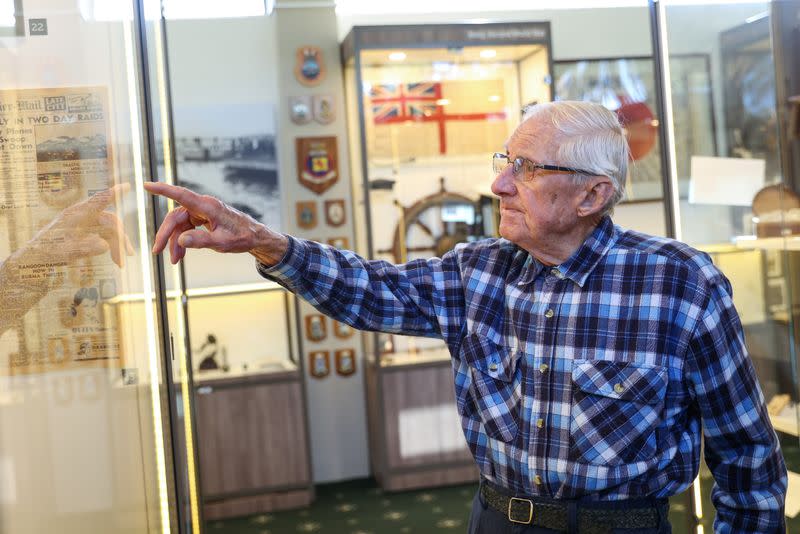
pixel 503 183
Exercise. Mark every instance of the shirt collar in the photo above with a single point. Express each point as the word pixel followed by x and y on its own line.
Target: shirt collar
pixel 583 261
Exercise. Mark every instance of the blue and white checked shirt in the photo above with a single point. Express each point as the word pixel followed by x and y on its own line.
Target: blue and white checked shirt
pixel 588 379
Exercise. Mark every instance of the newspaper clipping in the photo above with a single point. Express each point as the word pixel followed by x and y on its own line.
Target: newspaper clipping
pixel 55 154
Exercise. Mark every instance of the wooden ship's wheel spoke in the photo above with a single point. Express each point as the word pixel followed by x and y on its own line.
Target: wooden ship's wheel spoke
pixel 422 228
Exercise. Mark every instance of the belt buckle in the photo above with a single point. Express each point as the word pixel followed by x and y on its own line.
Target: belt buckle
pixel 530 515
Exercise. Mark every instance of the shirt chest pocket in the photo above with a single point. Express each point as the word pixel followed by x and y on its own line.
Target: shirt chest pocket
pixel 496 385
pixel 616 409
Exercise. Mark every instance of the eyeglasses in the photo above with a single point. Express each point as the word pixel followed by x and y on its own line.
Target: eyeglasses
pixel 500 162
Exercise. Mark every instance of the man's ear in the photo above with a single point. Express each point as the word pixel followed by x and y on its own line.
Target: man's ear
pixel 596 195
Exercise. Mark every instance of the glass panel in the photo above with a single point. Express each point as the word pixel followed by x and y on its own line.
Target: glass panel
pixel 227 149
pixel 432 119
pixel 84 427
pixel 736 203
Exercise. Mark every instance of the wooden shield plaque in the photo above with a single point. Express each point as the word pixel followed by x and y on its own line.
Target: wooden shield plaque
pixel 315 327
pixel 309 68
pixel 317 164
pixel 341 330
pixel 341 243
pixel 306 214
pixel 319 363
pixel 335 214
pixel 345 362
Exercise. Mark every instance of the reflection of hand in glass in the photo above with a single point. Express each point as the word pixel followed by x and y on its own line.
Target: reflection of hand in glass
pixel 81 230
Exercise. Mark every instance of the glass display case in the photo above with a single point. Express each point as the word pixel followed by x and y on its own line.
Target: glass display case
pixel 92 437
pixel 246 381
pixel 743 207
pixel 427 107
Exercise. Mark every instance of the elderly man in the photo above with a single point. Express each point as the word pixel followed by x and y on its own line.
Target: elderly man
pixel 588 360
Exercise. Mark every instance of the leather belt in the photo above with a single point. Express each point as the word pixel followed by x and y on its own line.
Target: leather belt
pixel 554 515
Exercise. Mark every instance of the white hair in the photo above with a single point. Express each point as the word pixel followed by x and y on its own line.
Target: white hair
pixel 588 137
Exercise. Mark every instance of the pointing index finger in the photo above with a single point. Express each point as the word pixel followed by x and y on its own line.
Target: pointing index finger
pixel 186 198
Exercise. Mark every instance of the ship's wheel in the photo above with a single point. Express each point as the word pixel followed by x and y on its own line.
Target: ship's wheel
pixel 433 225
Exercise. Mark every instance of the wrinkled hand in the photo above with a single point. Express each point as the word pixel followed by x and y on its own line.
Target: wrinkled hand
pixel 226 229
pixel 85 229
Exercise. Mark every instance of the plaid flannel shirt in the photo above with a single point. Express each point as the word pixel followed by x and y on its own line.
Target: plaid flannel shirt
pixel 589 379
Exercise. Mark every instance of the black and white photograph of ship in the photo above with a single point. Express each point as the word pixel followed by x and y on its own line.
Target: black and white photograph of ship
pixel 227 150
pixel 242 171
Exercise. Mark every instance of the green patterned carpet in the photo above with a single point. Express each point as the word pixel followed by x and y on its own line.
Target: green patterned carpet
pixel 360 507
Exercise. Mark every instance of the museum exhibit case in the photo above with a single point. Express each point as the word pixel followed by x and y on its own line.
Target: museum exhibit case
pixel 247 384
pixel 94 430
pixel 249 400
pixel 742 207
pixel 427 106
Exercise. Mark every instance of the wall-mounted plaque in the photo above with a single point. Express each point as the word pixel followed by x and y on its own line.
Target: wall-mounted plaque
pixel 300 109
pixel 324 112
pixel 342 243
pixel 306 214
pixel 345 362
pixel 335 214
pixel 315 327
pixel 341 330
pixel 319 363
pixel 309 68
pixel 317 165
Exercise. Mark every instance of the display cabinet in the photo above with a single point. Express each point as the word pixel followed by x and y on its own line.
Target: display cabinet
pixel 743 209
pixel 249 397
pixel 427 108
pixel 249 400
pixel 88 411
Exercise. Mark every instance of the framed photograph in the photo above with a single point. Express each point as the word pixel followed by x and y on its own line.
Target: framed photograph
pixel 748 76
pixel 627 85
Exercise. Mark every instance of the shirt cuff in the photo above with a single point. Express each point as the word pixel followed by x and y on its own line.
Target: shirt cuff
pixel 290 265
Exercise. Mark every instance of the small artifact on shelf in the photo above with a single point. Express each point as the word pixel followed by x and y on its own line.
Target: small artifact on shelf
pixel 777 403
pixel 776 210
pixel 209 348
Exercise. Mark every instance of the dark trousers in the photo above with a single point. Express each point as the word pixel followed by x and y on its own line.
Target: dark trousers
pixel 487 520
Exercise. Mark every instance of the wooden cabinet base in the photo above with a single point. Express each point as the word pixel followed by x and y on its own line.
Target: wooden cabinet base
pixel 447 476
pixel 257 504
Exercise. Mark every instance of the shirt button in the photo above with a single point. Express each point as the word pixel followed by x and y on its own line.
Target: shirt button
pixel 549 313
pixel 619 388
pixel 543 368
pixel 555 272
pixel 493 367
pixel 539 423
pixel 537 480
